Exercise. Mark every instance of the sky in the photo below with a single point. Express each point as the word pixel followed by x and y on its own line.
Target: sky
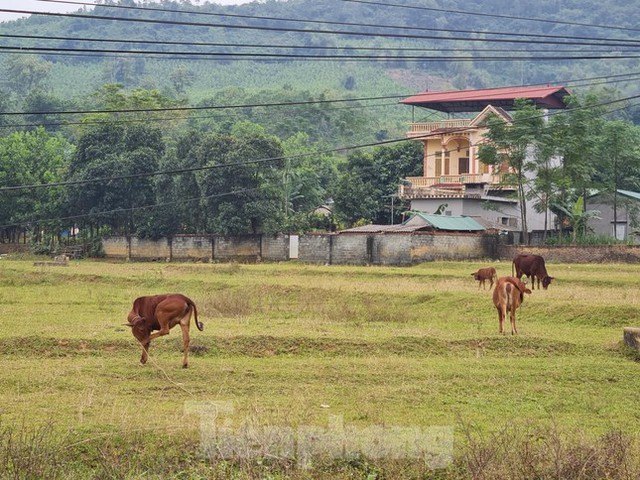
pixel 35 5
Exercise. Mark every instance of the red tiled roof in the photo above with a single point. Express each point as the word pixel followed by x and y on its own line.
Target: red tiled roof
pixel 477 100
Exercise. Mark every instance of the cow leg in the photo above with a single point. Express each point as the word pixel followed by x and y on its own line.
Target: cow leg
pixel 514 331
pixel 501 315
pixel 164 330
pixel 185 345
pixel 145 352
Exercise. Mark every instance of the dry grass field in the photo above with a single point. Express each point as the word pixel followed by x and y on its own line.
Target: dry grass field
pixel 292 346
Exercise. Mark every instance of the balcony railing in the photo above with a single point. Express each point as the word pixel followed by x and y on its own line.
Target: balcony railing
pixel 462 179
pixel 416 187
pixel 419 129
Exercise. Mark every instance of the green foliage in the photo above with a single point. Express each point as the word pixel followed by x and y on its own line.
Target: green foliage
pixel 111 150
pixel 29 158
pixel 27 72
pixel 368 181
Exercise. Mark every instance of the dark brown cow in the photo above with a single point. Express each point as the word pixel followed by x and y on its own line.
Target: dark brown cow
pixel 484 274
pixel 507 297
pixel 162 312
pixel 533 267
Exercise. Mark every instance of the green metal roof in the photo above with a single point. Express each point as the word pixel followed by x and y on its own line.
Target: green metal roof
pixel 450 222
pixel 627 193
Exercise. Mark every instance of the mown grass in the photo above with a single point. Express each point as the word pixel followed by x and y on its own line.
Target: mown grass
pixel 294 345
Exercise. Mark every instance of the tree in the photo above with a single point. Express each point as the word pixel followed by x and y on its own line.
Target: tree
pixel 618 161
pixel 243 185
pixel 517 144
pixel 27 72
pixel 368 180
pixel 28 158
pixel 181 78
pixel 574 138
pixel 112 150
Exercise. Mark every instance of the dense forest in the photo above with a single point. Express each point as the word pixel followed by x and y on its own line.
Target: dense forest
pixel 156 118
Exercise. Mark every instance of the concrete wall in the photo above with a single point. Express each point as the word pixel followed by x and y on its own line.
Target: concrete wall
pixel 275 247
pixel 345 249
pixel 144 249
pixel 192 247
pixel 200 247
pixel 242 248
pixel 315 248
pixel 394 248
pixel 577 254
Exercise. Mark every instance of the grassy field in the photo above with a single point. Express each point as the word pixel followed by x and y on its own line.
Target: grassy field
pixel 294 345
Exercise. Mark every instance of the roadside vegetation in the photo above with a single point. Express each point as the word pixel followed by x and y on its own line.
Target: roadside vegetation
pixel 292 345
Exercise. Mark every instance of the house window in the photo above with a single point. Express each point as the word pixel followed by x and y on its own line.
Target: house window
pixel 463 165
pixel 509 221
pixel 438 157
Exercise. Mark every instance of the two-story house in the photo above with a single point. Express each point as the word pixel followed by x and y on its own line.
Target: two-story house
pixel 454 181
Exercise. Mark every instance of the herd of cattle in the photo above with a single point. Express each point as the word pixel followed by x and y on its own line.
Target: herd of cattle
pixel 163 312
pixel 509 291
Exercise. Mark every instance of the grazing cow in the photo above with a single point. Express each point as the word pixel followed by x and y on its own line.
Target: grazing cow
pixel 532 266
pixel 485 274
pixel 507 296
pixel 162 312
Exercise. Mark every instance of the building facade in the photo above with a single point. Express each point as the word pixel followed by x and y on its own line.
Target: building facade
pixel 454 180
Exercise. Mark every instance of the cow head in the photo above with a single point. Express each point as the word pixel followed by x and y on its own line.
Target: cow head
pixel 546 281
pixel 139 328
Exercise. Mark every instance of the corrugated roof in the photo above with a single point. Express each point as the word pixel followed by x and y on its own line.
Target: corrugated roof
pixel 477 100
pixel 626 193
pixel 420 221
pixel 630 194
pixel 400 228
pixel 458 223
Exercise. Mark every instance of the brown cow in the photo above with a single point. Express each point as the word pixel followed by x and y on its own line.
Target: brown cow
pixel 485 274
pixel 507 296
pixel 162 312
pixel 533 267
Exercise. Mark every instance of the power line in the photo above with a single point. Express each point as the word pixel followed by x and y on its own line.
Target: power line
pixel 281 46
pixel 530 37
pixel 128 210
pixel 606 79
pixel 255 105
pixel 164 204
pixel 165 119
pixel 296 56
pixel 273 159
pixel 212 107
pixel 196 169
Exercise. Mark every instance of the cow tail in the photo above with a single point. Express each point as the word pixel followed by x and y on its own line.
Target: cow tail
pixel 200 325
pixel 507 289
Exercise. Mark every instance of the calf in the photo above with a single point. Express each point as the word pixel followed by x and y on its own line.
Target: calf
pixel 162 312
pixel 532 266
pixel 485 274
pixel 507 296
